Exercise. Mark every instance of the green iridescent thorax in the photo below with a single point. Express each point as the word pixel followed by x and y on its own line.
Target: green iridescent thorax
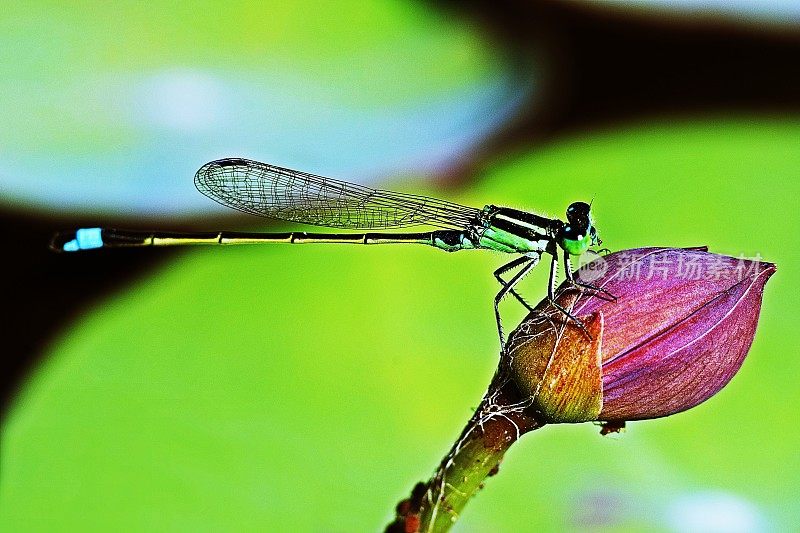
pixel 513 231
pixel 505 241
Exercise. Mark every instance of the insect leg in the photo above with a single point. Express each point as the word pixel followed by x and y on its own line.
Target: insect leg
pixel 508 287
pixel 551 289
pixel 505 268
pixel 600 292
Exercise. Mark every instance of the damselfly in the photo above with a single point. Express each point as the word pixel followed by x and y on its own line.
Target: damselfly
pixel 280 193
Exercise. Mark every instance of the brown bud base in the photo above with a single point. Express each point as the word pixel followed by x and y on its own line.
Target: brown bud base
pixel 558 365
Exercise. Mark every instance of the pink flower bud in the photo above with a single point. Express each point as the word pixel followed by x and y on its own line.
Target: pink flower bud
pixel 679 329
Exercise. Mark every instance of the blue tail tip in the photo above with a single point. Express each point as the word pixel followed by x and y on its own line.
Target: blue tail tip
pixel 71 246
pixel 89 238
pixel 82 239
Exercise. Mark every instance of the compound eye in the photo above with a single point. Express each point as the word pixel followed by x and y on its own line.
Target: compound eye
pixel 578 211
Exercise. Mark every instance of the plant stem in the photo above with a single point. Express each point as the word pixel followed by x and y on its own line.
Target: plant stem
pixel 499 421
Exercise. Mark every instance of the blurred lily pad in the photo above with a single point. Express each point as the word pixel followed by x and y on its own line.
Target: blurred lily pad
pixel 114 107
pixel 752 12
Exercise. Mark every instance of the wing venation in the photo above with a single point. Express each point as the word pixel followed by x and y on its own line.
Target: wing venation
pixel 275 192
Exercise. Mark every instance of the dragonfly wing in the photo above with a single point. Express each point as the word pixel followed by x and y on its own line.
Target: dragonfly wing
pixel 269 191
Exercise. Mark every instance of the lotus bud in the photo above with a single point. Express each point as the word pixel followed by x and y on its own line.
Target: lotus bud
pixel 679 328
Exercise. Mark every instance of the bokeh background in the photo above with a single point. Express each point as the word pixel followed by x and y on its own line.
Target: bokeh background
pixel 309 388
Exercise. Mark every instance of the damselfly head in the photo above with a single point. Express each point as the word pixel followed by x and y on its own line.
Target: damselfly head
pixel 579 214
pixel 579 234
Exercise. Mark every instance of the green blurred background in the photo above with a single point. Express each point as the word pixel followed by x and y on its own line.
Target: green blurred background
pixel 309 388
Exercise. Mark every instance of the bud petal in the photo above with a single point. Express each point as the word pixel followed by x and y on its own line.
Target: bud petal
pixel 677 333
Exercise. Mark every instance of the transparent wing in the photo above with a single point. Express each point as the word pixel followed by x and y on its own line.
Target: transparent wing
pixel 269 191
